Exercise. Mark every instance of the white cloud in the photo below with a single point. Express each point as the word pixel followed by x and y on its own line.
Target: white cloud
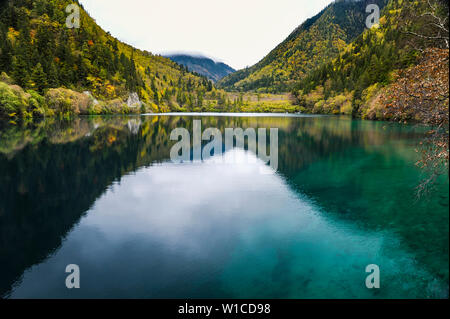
pixel 238 32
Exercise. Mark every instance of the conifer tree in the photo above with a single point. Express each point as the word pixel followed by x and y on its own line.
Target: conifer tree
pixel 39 78
pixel 53 78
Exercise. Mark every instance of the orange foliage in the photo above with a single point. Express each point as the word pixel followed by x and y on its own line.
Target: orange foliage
pixel 421 93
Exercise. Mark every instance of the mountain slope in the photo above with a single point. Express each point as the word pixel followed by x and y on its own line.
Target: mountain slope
pixel 39 52
pixel 204 66
pixel 311 44
pixel 352 82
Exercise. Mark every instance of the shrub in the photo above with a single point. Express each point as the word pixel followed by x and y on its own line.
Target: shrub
pixel 5 78
pixel 37 104
pixel 10 102
pixel 65 101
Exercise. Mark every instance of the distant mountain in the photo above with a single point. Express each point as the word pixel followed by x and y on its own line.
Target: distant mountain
pixel 313 43
pixel 204 66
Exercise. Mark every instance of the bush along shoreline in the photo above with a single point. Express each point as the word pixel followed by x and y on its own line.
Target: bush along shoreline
pixel 17 103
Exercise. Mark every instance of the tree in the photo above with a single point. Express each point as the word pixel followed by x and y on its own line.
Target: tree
pixel 21 58
pixel 5 50
pixel 39 78
pixel 53 78
pixel 435 23
pixel 421 93
pixel 20 71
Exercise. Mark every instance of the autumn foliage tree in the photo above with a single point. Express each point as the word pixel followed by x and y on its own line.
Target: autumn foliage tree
pixel 421 94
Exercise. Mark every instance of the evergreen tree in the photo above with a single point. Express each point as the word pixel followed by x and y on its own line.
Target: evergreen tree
pixel 20 71
pixel 53 78
pixel 39 78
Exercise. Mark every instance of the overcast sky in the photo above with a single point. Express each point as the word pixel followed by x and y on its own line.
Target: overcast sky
pixel 237 32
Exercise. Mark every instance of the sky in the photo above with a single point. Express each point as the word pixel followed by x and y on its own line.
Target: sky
pixel 237 32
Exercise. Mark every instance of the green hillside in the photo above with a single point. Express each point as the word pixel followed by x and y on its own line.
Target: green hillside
pixel 46 65
pixel 310 45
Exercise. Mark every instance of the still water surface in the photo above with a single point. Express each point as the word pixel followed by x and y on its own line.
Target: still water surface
pixel 102 193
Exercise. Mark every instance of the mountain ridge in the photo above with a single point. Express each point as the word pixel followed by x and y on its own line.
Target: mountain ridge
pixel 312 43
pixel 358 81
pixel 213 70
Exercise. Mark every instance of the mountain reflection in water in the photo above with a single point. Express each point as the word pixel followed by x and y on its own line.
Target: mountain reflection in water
pixel 102 193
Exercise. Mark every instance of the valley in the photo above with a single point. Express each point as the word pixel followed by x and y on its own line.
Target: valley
pixel 331 64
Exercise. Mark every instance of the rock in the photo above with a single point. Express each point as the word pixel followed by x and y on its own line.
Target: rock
pixel 134 101
pixel 93 99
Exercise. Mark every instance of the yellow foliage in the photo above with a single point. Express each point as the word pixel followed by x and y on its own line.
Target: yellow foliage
pixel 110 89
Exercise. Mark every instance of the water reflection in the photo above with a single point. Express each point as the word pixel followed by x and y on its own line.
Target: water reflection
pixel 101 193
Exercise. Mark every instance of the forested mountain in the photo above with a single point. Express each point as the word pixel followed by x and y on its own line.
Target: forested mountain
pixel 310 45
pixel 202 65
pixel 38 52
pixel 408 34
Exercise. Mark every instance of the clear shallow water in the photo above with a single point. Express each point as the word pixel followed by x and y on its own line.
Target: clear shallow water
pixel 101 193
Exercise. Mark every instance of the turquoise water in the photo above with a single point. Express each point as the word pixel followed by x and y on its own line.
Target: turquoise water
pixel 102 193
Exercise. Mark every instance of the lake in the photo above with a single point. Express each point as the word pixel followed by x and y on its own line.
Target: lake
pixel 103 194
